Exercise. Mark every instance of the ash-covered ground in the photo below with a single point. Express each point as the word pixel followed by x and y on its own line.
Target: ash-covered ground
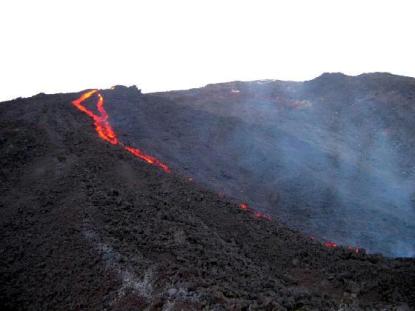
pixel 88 226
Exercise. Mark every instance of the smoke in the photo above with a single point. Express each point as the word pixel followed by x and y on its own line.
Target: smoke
pixel 338 171
pixel 332 157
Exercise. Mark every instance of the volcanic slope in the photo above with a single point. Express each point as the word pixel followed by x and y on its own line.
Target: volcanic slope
pixel 333 157
pixel 86 225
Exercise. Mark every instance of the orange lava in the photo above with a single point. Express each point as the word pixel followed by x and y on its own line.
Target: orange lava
pixel 243 206
pixel 353 249
pixel 106 132
pixel 262 216
pixel 102 126
pixel 330 244
pixel 149 159
pixel 256 214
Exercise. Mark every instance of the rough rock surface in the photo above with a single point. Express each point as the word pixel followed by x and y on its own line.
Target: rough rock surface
pixel 333 157
pixel 86 226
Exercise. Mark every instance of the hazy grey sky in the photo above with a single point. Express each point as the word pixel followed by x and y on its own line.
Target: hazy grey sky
pixel 59 46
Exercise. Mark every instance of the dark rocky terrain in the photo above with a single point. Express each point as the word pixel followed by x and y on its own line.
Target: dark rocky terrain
pixel 333 157
pixel 87 226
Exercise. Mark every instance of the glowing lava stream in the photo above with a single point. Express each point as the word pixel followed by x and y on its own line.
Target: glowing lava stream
pixel 106 132
pixel 257 214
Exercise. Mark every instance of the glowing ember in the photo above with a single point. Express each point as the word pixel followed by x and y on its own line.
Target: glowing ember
pixel 353 249
pixel 256 214
pixel 106 132
pixel 330 244
pixel 263 216
pixel 243 206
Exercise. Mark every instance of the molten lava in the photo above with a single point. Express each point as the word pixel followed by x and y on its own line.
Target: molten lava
pixel 243 206
pixel 262 216
pixel 330 244
pixel 106 132
pixel 353 249
pixel 149 159
pixel 102 126
pixel 256 214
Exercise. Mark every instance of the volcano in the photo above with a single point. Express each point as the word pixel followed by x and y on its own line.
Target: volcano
pixel 266 195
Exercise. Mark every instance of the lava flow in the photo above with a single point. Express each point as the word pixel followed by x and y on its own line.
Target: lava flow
pixel 102 126
pixel 106 132
pixel 257 214
pixel 330 244
pixel 149 159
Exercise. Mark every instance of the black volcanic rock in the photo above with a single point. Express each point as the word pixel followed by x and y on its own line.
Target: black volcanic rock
pixel 126 91
pixel 85 225
pixel 333 157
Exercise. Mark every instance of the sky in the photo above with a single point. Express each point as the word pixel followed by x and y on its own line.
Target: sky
pixel 55 46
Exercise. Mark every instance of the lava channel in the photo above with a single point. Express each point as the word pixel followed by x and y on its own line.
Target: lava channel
pixel 107 133
pixel 256 214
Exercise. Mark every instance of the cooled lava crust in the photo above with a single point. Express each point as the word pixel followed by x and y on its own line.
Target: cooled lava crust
pixel 86 225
